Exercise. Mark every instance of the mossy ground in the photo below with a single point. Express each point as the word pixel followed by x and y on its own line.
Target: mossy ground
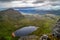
pixel 8 26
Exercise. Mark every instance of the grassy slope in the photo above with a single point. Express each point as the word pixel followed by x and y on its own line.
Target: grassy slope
pixel 7 27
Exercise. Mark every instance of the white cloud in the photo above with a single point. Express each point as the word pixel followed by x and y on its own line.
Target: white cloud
pixel 46 4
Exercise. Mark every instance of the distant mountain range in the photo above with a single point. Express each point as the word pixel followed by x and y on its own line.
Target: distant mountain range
pixel 31 10
pixel 15 15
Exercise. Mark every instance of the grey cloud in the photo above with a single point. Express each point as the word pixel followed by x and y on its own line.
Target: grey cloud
pixel 7 0
pixel 54 0
pixel 38 2
pixel 55 4
pixel 42 1
pixel 7 3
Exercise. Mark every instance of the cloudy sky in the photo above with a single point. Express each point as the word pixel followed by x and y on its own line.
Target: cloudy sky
pixel 30 3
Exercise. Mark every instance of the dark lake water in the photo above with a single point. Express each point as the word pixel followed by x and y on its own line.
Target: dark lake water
pixel 25 31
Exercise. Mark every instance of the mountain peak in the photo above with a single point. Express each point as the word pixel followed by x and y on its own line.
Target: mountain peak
pixel 11 14
pixel 10 9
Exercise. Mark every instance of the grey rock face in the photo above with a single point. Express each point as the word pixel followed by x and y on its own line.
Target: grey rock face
pixel 56 29
pixel 44 37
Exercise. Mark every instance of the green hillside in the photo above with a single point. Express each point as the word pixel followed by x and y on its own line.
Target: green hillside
pixel 13 20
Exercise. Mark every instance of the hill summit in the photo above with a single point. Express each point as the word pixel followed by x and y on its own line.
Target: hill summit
pixel 11 14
